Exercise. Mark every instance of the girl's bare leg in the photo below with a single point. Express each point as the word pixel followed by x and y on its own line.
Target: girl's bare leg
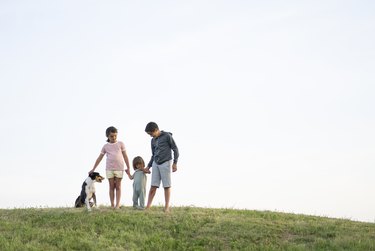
pixel 118 191
pixel 112 191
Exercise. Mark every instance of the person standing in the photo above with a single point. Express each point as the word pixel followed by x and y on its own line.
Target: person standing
pixel 139 183
pixel 116 156
pixel 162 145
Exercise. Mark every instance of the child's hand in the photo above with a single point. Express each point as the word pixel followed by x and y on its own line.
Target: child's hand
pixel 128 173
pixel 174 167
pixel 147 170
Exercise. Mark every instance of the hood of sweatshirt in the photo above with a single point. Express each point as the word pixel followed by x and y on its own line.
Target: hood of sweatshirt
pixel 163 132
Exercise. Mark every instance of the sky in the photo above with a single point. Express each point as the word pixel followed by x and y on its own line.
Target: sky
pixel 270 102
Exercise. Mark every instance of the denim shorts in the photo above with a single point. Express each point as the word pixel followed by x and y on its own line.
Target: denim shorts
pixel 161 173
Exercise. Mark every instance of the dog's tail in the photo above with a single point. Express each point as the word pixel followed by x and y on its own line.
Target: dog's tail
pixel 78 202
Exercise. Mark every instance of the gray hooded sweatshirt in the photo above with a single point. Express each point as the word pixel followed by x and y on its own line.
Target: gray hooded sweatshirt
pixel 162 148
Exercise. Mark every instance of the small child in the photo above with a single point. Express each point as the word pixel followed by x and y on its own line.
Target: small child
pixel 139 183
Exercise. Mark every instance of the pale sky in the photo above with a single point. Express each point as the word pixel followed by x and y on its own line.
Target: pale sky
pixel 270 102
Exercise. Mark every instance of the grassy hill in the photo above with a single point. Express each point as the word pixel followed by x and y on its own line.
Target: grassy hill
pixel 185 228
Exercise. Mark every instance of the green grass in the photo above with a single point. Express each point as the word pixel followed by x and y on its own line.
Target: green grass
pixel 185 228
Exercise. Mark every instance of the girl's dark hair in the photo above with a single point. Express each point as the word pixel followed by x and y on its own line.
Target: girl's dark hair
pixel 110 130
pixel 138 160
pixel 151 127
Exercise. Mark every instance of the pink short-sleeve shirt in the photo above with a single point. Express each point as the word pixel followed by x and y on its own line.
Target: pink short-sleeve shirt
pixel 115 160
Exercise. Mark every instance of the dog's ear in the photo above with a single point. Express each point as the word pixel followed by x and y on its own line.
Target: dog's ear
pixel 94 175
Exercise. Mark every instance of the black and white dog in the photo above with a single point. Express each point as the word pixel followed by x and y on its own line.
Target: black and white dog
pixel 88 191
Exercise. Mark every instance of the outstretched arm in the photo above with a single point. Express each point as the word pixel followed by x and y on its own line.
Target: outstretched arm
pixel 97 162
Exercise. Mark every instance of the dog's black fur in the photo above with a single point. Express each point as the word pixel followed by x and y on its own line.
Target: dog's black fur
pixel 88 191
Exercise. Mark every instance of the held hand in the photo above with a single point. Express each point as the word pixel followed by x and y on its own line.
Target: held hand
pixel 127 171
pixel 147 170
pixel 174 167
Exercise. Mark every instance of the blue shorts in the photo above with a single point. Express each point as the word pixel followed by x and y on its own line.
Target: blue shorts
pixel 161 173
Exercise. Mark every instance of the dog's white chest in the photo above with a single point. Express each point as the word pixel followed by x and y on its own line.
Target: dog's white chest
pixel 90 187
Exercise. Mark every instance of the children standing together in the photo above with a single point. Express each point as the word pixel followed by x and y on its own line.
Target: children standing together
pixel 161 162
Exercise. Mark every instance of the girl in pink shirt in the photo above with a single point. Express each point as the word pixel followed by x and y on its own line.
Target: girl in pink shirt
pixel 116 155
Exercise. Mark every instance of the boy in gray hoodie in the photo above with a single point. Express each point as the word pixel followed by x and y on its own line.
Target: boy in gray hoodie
pixel 162 145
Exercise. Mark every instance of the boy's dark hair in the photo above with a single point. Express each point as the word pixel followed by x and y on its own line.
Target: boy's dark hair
pixel 151 127
pixel 138 160
pixel 110 130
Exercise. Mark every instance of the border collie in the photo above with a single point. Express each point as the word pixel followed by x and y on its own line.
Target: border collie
pixel 88 191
